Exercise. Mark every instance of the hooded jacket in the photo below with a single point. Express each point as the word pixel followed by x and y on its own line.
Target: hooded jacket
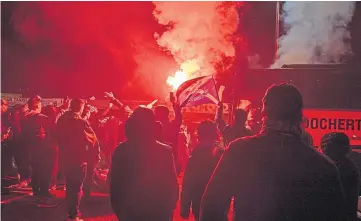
pixel 77 140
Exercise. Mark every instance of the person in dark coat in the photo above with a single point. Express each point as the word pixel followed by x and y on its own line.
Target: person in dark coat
pixel 78 145
pixel 51 112
pixel 199 169
pixel 38 134
pixel 143 180
pixel 336 145
pixel 170 129
pixel 237 130
pixel 274 175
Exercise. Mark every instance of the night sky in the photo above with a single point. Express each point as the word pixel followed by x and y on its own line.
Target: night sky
pixel 85 48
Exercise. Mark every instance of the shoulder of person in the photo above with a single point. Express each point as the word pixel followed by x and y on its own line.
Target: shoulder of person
pixel 243 142
pixel 325 164
pixel 42 116
pixel 227 128
pixel 122 148
pixel 350 167
pixel 164 146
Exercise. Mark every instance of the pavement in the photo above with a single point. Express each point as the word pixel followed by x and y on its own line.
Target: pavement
pixel 20 205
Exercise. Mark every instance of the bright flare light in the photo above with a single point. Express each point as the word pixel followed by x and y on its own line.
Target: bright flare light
pixel 177 80
pixel 187 69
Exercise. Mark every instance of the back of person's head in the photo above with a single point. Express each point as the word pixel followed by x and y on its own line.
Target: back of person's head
pixel 283 102
pixel 240 117
pixel 34 103
pixel 77 105
pixel 207 131
pixel 140 126
pixel 161 112
pixel 49 111
pixel 335 145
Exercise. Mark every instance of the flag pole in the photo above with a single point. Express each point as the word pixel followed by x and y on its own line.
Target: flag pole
pixel 214 82
pixel 277 31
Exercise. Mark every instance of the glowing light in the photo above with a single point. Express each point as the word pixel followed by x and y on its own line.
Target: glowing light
pixel 188 68
pixel 177 80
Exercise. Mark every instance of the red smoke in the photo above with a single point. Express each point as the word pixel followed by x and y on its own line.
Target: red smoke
pixel 85 48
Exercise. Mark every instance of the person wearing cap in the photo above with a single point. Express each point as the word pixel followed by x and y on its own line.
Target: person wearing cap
pixel 336 145
pixel 37 132
pixel 77 147
pixel 274 175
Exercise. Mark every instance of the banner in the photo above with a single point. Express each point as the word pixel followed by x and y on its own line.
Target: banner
pixel 12 101
pixel 320 122
pixel 9 95
pixel 201 90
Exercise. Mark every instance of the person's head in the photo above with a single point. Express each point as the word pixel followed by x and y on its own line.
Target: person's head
pixel 49 111
pixel 24 109
pixel 140 126
pixel 240 117
pixel 207 132
pixel 4 105
pixel 161 113
pixel 284 103
pixel 335 145
pixel 34 104
pixel 77 105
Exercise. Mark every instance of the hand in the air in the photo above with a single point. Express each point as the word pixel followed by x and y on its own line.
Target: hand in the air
pixel 109 95
pixel 172 97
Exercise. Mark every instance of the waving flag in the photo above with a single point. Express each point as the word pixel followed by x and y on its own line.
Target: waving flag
pixel 201 90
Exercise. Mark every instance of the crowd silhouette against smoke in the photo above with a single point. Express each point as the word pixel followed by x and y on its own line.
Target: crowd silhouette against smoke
pixel 254 159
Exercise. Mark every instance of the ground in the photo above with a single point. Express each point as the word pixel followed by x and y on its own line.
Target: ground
pixel 20 206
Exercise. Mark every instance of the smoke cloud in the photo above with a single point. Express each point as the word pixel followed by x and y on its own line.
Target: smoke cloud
pixel 199 34
pixel 86 48
pixel 316 32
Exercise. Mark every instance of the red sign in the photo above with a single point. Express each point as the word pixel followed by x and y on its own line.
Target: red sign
pixel 321 122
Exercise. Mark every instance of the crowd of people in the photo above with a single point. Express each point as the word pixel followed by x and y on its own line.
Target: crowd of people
pixel 268 171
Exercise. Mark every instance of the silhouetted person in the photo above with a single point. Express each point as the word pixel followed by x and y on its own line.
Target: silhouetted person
pixel 274 175
pixel 38 133
pixel 170 128
pixel 307 138
pixel 51 112
pixel 199 169
pixel 355 157
pixel 77 147
pixel 255 123
pixel 6 152
pixel 238 129
pixel 336 145
pixel 143 181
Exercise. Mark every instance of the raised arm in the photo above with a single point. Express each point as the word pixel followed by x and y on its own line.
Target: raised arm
pixel 118 103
